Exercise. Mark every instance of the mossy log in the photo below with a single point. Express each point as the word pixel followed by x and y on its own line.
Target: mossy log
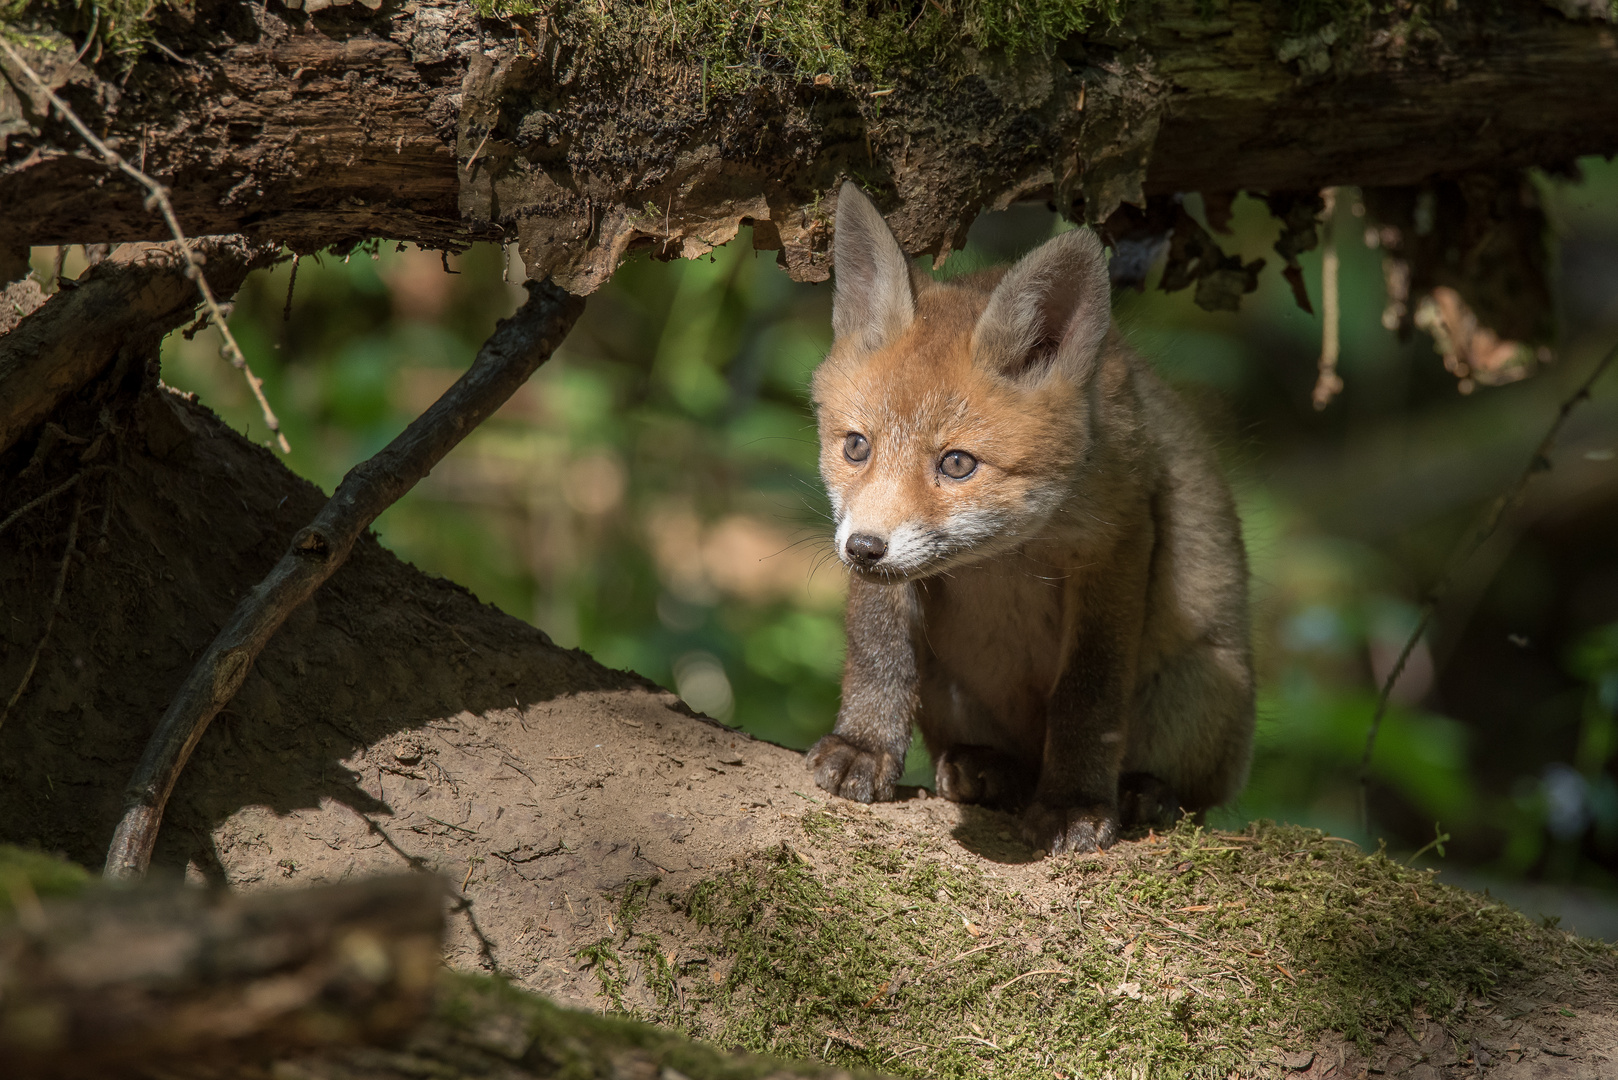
pixel 334 981
pixel 582 138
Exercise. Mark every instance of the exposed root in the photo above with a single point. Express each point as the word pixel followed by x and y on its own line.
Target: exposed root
pixel 56 602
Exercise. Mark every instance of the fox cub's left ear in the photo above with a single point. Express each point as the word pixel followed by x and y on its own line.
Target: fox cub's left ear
pixel 1052 308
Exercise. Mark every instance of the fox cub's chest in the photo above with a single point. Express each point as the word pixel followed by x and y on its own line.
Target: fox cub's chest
pixel 991 647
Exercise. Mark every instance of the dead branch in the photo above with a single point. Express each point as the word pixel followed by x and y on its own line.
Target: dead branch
pixel 1328 384
pixel 513 352
pixel 159 196
pixel 140 293
pixel 123 979
pixel 1538 462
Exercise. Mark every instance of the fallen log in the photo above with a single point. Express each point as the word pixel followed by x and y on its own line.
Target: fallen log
pixel 336 981
pixel 98 985
pixel 584 137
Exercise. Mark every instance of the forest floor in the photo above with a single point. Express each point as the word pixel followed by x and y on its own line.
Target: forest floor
pixel 610 849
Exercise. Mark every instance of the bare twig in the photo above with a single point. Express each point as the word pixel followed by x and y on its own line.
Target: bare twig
pixel 56 603
pixel 286 312
pixel 1538 462
pixel 160 197
pixel 90 38
pixel 513 352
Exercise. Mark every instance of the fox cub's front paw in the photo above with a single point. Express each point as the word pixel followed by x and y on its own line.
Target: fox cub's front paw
pixel 845 769
pixel 1061 830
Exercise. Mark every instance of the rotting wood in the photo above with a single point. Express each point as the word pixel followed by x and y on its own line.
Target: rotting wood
pixel 516 349
pixel 122 308
pixel 120 980
pixel 340 124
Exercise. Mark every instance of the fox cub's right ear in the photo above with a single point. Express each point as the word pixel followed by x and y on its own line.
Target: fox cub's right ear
pixel 1053 308
pixel 874 300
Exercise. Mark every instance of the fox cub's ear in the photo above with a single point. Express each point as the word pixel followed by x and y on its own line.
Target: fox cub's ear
pixel 1052 307
pixel 873 299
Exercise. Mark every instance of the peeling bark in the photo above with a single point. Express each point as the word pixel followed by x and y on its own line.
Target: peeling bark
pixel 424 123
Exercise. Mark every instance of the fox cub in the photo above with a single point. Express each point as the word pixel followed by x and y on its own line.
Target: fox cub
pixel 1047 572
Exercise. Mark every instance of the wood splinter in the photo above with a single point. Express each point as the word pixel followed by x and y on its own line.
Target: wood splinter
pixel 514 351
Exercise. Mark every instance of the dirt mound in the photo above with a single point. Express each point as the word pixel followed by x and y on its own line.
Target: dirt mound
pixel 176 517
pixel 609 848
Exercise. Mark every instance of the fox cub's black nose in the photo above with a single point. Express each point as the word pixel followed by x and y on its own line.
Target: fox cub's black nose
pixel 865 549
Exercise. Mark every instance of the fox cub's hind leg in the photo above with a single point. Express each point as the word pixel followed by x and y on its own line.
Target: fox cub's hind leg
pixel 983 775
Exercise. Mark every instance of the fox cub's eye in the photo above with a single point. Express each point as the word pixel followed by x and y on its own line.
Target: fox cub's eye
pixel 958 464
pixel 856 447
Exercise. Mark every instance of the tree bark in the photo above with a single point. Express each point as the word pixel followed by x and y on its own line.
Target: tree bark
pixel 425 123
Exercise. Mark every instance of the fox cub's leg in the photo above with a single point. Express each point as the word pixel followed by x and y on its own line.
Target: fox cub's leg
pixel 865 753
pixel 1087 718
pixel 983 775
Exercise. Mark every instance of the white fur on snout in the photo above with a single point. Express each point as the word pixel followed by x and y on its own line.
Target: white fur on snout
pixel 918 548
pixel 845 529
pixel 909 549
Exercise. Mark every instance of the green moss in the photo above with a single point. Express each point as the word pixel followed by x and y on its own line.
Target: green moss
pixel 568 1043
pixel 1195 955
pixel 27 876
pixel 121 27
pixel 742 41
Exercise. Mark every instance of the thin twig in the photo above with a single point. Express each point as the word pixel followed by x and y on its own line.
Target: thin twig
pixel 286 312
pixel 90 38
pixel 159 195
pixel 56 602
pixel 1538 462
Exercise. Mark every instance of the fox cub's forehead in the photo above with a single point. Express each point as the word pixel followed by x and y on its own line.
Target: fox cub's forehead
pixel 920 377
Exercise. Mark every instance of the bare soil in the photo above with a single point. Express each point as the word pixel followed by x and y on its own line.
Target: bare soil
pixel 397 722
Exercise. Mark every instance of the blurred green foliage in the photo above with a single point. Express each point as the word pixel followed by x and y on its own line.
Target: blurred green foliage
pixel 652 496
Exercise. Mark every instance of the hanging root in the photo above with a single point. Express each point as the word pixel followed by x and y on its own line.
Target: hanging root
pixel 1328 384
